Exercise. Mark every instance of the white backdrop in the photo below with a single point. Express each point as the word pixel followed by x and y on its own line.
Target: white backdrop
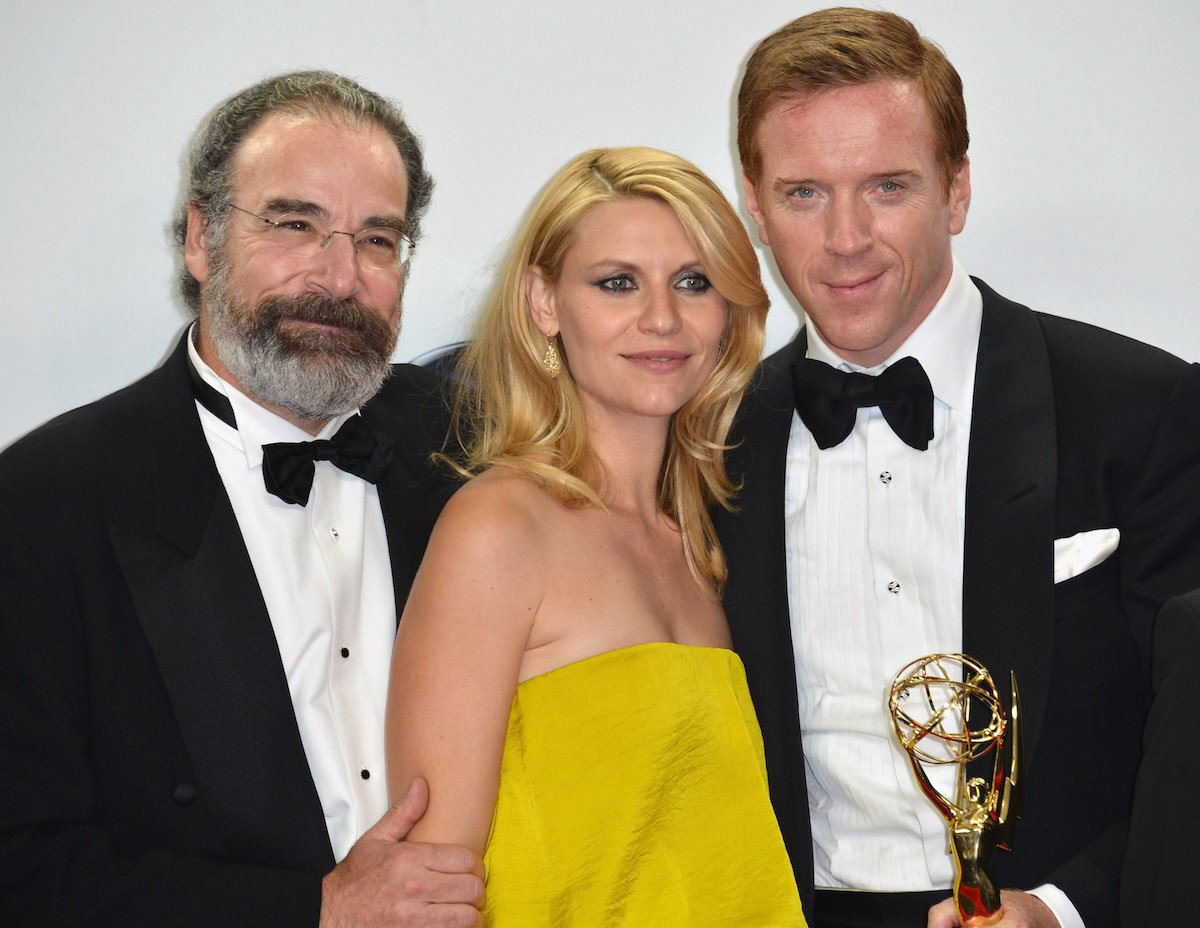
pixel 1084 119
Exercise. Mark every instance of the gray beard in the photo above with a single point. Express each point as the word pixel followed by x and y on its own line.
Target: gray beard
pixel 315 375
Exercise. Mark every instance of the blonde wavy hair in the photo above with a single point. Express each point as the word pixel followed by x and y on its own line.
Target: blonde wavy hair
pixel 510 413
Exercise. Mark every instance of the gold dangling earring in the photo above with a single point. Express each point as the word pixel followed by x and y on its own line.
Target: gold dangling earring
pixel 551 361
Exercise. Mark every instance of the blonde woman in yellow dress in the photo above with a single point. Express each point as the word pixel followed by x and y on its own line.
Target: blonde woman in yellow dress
pixel 562 675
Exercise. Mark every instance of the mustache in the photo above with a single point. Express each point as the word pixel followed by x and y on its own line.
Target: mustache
pixel 313 307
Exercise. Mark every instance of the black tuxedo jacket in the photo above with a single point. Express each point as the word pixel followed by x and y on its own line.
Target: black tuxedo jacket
pixel 152 771
pixel 1160 867
pixel 1073 429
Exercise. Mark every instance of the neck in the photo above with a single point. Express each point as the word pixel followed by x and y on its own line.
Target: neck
pixel 632 453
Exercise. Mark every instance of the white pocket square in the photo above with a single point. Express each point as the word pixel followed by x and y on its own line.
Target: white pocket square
pixel 1074 555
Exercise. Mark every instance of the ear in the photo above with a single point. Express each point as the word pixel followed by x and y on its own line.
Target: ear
pixel 755 209
pixel 960 197
pixel 539 293
pixel 195 246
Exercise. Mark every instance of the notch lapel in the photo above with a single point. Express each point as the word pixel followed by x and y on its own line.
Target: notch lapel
pixel 199 604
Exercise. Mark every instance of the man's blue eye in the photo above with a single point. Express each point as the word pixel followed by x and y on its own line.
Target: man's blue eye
pixel 889 186
pixel 804 193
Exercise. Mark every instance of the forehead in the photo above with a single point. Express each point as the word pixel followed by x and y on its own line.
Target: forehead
pixel 865 127
pixel 630 226
pixel 339 164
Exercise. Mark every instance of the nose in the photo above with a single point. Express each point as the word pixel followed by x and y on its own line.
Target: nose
pixel 660 314
pixel 335 268
pixel 848 227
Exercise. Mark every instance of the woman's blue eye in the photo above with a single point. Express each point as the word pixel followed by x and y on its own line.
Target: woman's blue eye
pixel 696 283
pixel 619 283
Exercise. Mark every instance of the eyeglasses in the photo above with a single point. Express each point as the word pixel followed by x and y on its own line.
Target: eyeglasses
pixel 378 247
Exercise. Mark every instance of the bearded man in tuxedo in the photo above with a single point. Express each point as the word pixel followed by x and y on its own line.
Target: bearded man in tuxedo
pixel 930 467
pixel 202 573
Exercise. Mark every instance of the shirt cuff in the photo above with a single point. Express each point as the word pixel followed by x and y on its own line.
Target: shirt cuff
pixel 1058 903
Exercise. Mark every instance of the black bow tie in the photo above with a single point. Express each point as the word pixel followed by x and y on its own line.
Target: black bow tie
pixel 828 400
pixel 288 466
pixel 357 448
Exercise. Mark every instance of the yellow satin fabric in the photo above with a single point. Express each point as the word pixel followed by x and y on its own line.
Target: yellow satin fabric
pixel 633 791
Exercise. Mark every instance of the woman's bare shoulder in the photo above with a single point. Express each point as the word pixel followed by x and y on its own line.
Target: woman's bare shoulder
pixel 500 505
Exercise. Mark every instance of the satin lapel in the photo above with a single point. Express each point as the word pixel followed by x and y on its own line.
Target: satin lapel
pixel 1008 570
pixel 408 517
pixel 753 537
pixel 756 601
pixel 412 491
pixel 199 604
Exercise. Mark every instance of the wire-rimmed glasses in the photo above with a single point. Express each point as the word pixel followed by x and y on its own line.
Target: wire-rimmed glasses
pixel 380 247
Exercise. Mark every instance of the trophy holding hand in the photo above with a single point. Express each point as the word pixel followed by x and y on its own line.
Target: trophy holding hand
pixel 933 702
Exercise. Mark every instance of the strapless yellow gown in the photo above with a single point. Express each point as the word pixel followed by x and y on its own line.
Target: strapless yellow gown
pixel 633 792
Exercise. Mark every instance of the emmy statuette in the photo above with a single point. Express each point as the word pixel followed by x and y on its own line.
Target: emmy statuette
pixel 934 703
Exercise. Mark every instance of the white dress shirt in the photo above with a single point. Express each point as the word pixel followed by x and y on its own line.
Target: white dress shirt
pixel 875 553
pixel 326 579
pixel 875 535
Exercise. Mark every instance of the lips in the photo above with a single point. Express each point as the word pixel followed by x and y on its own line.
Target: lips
pixel 853 286
pixel 657 360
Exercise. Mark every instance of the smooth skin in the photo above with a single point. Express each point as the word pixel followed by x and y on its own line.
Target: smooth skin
pixel 853 202
pixel 515 584
pixel 348 174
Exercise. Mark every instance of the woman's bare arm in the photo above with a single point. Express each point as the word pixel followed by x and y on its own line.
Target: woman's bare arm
pixel 458 653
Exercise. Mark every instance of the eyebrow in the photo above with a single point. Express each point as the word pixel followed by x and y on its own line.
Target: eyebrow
pixel 905 173
pixel 876 175
pixel 618 264
pixel 291 205
pixel 394 223
pixel 308 208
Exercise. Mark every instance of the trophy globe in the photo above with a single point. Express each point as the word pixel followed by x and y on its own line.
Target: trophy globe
pixel 946 709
